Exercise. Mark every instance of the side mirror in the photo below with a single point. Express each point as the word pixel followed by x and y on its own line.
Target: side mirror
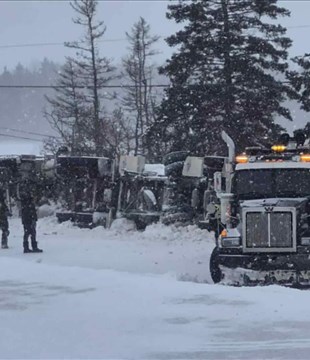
pixel 107 196
pixel 217 182
pixel 195 198
pixel 226 208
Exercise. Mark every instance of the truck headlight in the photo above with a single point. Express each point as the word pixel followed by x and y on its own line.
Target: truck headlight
pixel 231 241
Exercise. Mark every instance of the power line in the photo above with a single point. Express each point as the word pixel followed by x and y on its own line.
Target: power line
pixel 51 44
pixel 9 46
pixel 29 45
pixel 28 132
pixel 104 40
pixel 60 43
pixel 298 27
pixel 20 137
pixel 78 87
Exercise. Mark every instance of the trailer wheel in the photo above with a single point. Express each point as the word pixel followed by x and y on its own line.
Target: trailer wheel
pixel 175 156
pixel 215 271
pixel 140 225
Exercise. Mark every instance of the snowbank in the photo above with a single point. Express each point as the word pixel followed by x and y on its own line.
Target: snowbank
pixel 46 210
pixel 114 294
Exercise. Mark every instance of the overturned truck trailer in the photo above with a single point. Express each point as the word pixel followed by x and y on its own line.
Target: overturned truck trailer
pixel 178 191
pixel 16 169
pixel 190 197
pixel 88 188
pixel 9 175
pixel 142 189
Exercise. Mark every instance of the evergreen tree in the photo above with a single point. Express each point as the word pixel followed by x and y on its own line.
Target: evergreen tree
pixel 300 80
pixel 226 74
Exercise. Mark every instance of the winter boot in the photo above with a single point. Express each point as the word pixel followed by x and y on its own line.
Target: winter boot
pixel 34 245
pixel 26 247
pixel 4 244
pixel 4 240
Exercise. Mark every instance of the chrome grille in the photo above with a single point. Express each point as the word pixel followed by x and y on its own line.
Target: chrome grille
pixel 269 230
pixel 256 229
pixel 281 229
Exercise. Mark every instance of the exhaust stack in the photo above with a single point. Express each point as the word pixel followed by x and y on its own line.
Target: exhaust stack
pixel 231 146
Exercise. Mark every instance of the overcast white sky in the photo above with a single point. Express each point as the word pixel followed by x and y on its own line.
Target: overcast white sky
pixel 35 22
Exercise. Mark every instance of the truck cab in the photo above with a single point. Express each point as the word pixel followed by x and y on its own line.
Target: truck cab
pixel 266 220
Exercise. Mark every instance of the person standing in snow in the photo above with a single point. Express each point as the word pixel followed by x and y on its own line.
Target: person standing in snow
pixel 29 216
pixel 4 224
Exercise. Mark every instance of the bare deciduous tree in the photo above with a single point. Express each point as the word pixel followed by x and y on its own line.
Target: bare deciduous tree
pixel 139 71
pixel 94 72
pixel 121 134
pixel 67 113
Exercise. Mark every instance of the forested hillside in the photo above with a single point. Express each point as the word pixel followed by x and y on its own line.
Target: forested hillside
pixel 22 108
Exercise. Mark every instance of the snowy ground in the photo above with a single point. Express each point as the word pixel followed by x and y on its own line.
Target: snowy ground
pixel 117 294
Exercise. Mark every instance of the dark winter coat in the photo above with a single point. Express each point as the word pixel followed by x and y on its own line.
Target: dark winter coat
pixel 28 212
pixel 27 190
pixel 4 211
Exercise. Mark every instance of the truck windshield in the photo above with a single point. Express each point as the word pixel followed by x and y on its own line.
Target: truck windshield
pixel 270 183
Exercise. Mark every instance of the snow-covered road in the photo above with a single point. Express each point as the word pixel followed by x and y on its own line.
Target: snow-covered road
pixel 115 295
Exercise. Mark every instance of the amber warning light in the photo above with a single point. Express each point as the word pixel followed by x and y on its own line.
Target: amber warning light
pixel 224 233
pixel 305 157
pixel 241 159
pixel 278 148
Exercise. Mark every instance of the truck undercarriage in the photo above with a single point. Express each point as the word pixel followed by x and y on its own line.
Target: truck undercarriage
pixel 232 267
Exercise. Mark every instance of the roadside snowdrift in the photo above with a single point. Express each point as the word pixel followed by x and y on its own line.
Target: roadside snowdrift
pixel 113 294
pixel 182 252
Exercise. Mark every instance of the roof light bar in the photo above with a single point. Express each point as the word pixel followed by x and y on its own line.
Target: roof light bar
pixel 278 148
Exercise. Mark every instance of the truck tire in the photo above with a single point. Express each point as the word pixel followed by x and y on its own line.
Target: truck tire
pixel 175 157
pixel 140 225
pixel 215 271
pixel 174 169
